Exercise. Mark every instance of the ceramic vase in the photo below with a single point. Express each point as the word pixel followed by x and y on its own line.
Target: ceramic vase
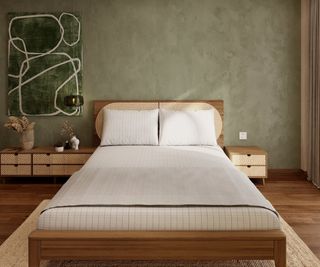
pixel 75 143
pixel 59 148
pixel 27 139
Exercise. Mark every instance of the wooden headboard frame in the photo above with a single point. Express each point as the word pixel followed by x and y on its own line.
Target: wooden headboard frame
pixel 99 104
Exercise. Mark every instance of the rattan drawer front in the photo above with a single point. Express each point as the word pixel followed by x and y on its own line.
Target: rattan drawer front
pixel 42 158
pixel 48 170
pixel 15 158
pixel 248 159
pixel 41 170
pixel 18 170
pixel 253 171
pixel 60 158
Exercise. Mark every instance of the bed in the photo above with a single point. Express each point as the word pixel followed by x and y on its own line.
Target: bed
pixel 117 213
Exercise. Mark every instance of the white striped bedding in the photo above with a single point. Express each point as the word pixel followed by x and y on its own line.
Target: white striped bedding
pixel 159 189
pixel 159 219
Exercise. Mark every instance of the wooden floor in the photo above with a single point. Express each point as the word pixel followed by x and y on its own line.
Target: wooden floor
pixel 297 200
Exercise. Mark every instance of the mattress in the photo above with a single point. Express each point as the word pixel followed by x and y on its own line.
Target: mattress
pixel 158 219
pixel 159 189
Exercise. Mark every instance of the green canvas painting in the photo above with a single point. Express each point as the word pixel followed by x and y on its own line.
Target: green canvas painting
pixel 44 63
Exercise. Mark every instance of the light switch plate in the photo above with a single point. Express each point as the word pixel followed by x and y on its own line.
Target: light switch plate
pixel 243 135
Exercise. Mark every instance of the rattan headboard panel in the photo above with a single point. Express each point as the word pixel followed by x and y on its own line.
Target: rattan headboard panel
pixel 178 105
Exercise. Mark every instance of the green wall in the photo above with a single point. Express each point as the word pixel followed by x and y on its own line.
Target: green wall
pixel 246 52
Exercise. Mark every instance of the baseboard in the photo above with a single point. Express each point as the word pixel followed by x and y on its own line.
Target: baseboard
pixel 33 180
pixel 287 174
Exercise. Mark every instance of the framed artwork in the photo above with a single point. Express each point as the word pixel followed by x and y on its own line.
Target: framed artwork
pixel 44 63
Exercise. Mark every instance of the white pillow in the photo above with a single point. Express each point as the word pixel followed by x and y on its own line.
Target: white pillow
pixel 130 127
pixel 187 127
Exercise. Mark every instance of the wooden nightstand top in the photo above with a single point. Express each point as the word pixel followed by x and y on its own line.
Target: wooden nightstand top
pixel 240 150
pixel 84 150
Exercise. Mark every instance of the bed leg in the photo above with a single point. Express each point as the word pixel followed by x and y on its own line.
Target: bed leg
pixel 280 253
pixel 34 253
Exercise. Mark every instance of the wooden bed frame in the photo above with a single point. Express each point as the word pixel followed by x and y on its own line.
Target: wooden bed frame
pixel 160 245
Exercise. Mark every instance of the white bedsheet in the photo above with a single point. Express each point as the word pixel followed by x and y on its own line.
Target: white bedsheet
pixel 159 188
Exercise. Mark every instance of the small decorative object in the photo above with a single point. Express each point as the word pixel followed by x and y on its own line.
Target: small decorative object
pixel 59 147
pixel 24 127
pixel 67 145
pixel 75 143
pixel 73 100
pixel 67 133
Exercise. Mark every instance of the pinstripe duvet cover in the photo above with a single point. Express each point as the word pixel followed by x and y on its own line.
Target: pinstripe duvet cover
pixel 159 188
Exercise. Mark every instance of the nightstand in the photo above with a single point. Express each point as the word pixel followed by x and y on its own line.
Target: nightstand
pixel 251 160
pixel 42 161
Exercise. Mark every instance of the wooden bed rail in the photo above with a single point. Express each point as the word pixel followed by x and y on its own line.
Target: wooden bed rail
pixel 118 245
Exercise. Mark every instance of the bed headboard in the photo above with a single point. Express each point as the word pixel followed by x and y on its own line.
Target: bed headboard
pixel 170 104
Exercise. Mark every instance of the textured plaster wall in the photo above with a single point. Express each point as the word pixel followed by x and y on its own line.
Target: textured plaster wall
pixel 245 52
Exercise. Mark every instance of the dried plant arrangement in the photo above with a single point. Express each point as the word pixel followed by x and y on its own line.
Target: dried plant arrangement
pixel 67 130
pixel 19 125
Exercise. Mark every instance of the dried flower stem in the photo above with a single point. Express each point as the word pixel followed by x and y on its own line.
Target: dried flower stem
pixel 67 130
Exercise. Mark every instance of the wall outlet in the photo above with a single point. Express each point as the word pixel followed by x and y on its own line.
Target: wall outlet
pixel 243 135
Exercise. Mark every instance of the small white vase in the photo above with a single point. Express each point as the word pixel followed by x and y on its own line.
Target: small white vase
pixel 75 143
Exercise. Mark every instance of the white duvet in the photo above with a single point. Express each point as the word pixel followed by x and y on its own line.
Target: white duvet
pixel 159 176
